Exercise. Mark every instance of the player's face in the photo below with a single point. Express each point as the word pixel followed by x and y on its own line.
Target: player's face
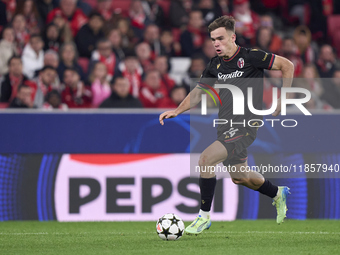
pixel 222 40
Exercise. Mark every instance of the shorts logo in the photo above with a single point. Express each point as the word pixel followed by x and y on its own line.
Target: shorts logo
pixel 231 132
pixel 218 66
pixel 240 63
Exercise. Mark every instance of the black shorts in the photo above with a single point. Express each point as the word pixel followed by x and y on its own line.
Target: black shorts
pixel 236 141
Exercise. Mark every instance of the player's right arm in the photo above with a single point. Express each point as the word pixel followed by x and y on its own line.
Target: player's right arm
pixel 190 101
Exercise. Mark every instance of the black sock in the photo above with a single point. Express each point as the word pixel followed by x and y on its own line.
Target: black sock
pixel 268 189
pixel 207 187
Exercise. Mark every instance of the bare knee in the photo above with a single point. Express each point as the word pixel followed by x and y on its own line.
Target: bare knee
pixel 206 167
pixel 240 181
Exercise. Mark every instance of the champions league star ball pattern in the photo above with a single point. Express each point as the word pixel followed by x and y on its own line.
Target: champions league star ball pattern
pixel 170 227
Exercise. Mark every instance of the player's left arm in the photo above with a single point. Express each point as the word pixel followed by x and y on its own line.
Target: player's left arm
pixel 287 69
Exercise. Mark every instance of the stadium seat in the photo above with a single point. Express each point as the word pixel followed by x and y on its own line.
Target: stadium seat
pixel 179 67
pixel 121 6
pixel 333 24
pixel 84 63
pixel 3 105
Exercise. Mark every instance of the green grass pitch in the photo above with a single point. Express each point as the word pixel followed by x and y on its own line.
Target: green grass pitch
pixel 237 237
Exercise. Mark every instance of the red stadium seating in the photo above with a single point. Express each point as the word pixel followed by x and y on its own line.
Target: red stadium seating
pixel 3 105
pixel 122 5
pixel 334 31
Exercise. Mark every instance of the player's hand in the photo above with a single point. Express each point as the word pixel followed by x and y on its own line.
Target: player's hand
pixel 167 115
pixel 278 108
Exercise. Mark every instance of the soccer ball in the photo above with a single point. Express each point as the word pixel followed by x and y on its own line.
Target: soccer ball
pixel 170 227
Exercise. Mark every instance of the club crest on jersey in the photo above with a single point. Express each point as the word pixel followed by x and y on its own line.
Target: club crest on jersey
pixel 240 62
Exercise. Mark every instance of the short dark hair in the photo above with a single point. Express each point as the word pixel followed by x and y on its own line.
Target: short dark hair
pixel 22 86
pixel 13 57
pixel 48 68
pixel 228 22
pixel 96 14
pixel 115 78
pixel 35 36
pixel 71 69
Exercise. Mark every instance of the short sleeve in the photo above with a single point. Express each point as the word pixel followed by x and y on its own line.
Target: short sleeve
pixel 261 59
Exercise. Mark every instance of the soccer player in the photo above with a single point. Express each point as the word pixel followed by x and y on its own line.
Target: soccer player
pixel 243 68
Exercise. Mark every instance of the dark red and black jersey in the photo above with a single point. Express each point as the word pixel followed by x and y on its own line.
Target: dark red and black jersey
pixel 245 70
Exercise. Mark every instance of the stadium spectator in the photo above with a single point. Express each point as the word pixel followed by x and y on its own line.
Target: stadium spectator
pixel 208 50
pixel 326 63
pixel 193 37
pixel 247 22
pixel 51 58
pixel 171 47
pixel 23 98
pixel 151 36
pixel 153 95
pixel 92 31
pixel 264 38
pixel 273 79
pixel 75 94
pixel 12 80
pixel 120 96
pixel 289 50
pixel 179 12
pixel 104 54
pixel 224 6
pixel 11 6
pixel 332 90
pixel 302 38
pixel 162 65
pixel 21 33
pixel 128 36
pixel 42 84
pixel 33 55
pixel 68 59
pixel 100 86
pixel 177 95
pixel 312 79
pixel 44 7
pixel 154 12
pixel 143 52
pixel 195 71
pixel 210 10
pixel 275 42
pixel 132 70
pixel 115 38
pixel 316 103
pixel 53 101
pixel 104 7
pixel 28 8
pixel 138 18
pixel 7 49
pixel 64 28
pixel 52 38
pixel 73 16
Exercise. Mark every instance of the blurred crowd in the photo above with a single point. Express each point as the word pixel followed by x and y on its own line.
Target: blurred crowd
pixel 61 54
